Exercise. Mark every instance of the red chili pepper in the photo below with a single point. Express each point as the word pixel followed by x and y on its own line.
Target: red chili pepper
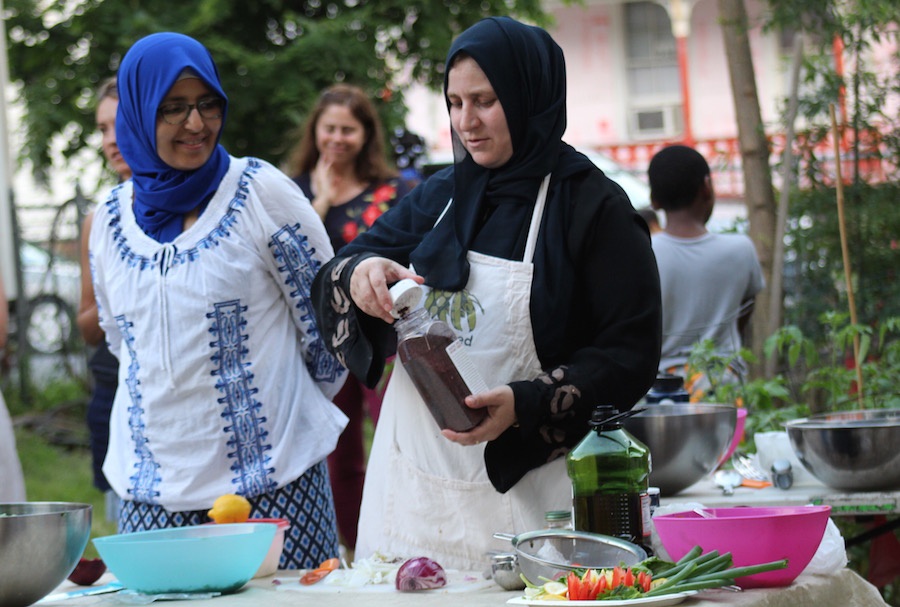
pixel 594 584
pixel 644 579
pixel 617 575
pixel 574 585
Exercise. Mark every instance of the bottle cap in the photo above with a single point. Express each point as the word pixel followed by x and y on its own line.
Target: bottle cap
pixel 406 295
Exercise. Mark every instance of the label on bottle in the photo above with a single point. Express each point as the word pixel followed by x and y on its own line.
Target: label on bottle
pixel 646 517
pixel 467 369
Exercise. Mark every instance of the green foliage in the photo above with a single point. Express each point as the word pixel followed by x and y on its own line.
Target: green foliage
pixel 814 269
pixel 53 473
pixel 858 87
pixel 274 57
pixel 46 398
pixel 52 447
pixel 815 375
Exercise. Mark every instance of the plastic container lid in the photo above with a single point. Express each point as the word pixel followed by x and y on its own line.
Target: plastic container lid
pixel 668 383
pixel 406 295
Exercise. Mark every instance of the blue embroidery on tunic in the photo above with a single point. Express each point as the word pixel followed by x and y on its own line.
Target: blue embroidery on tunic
pixel 295 260
pixel 251 464
pixel 146 479
pixel 221 231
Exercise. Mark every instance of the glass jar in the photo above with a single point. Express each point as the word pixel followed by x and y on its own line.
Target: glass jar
pixel 435 360
pixel 558 519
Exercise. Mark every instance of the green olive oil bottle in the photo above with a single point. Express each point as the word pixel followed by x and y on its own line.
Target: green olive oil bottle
pixel 610 472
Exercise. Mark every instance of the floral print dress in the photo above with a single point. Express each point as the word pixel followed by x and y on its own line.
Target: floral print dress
pixel 345 222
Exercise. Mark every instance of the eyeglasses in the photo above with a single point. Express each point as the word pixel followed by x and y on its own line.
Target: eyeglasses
pixel 178 113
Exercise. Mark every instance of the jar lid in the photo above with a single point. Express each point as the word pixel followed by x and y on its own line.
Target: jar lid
pixel 557 515
pixel 406 295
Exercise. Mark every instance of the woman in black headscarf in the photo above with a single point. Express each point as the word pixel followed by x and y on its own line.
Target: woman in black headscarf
pixel 557 268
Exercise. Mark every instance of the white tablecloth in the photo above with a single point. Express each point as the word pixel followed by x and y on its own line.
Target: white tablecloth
pixel 843 589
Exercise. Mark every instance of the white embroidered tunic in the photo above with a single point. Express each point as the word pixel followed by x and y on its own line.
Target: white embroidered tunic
pixel 224 383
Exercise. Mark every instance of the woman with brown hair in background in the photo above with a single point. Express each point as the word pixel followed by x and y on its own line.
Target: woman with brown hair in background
pixel 340 165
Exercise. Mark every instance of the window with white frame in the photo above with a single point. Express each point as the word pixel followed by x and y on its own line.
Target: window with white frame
pixel 654 91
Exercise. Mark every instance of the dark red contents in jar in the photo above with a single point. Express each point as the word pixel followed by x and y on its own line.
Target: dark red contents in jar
pixel 438 381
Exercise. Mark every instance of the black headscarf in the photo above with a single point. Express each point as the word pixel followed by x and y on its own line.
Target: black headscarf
pixel 527 70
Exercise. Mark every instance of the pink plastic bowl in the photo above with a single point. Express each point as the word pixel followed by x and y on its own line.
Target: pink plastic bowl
pixel 738 434
pixel 752 535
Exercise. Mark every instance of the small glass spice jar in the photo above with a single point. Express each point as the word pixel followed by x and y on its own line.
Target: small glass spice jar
pixel 558 519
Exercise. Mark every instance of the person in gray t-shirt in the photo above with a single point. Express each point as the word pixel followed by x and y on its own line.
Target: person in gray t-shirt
pixel 709 281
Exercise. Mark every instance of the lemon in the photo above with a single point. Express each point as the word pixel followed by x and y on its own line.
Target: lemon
pixel 230 508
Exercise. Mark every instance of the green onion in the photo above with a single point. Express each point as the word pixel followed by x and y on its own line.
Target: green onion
pixel 714 565
pixel 681 564
pixel 704 571
pixel 736 572
pixel 692 554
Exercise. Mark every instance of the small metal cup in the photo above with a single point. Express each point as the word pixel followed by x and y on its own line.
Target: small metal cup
pixel 782 474
pixel 505 571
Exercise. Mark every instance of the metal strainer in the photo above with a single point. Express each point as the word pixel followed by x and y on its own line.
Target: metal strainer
pixel 549 553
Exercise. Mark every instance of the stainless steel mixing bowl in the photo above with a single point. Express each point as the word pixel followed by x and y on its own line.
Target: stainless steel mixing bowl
pixel 850 450
pixel 40 544
pixel 549 553
pixel 686 441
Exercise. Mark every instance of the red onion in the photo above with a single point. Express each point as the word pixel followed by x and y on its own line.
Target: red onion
pixel 420 573
pixel 87 571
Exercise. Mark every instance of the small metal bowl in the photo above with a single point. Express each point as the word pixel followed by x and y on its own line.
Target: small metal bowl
pixel 505 571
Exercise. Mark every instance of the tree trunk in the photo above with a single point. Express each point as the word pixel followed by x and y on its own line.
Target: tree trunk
pixel 776 286
pixel 759 195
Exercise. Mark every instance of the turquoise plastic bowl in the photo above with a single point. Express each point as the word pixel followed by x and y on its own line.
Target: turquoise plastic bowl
pixel 203 558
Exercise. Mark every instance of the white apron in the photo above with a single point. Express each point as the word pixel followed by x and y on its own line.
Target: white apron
pixel 427 496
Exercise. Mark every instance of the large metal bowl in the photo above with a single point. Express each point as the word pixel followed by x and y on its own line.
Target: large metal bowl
pixel 40 544
pixel 686 441
pixel 850 450
pixel 550 553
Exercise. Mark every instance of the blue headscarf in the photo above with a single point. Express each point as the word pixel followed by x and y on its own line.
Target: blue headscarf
pixel 162 195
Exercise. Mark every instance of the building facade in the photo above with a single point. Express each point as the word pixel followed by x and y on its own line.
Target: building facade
pixel 645 74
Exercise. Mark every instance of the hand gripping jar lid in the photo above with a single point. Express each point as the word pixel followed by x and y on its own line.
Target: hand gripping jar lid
pixel 406 295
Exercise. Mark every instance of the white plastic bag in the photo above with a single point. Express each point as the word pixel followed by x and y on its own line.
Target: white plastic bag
pixel 777 445
pixel 655 543
pixel 831 555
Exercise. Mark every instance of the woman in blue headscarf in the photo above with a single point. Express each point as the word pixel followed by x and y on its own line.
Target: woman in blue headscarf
pixel 202 265
pixel 554 270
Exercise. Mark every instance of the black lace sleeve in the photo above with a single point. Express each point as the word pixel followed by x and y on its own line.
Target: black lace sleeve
pixel 360 342
pixel 552 419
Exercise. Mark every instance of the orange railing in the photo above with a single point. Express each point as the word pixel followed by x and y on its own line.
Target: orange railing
pixel 724 159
